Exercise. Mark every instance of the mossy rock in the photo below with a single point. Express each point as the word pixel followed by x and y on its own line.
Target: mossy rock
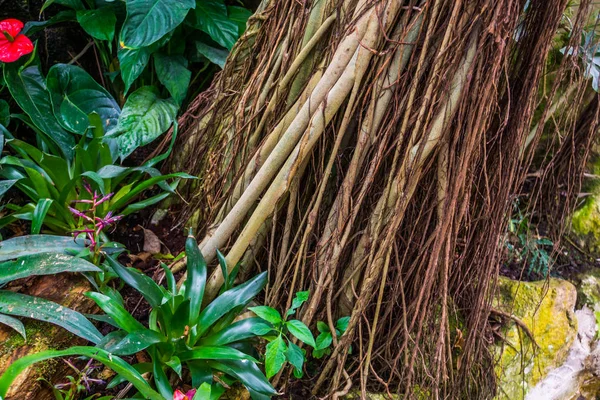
pixel 66 289
pixel 547 309
pixel 586 223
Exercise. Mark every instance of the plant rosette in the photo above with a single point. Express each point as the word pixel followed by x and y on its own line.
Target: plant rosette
pixel 13 44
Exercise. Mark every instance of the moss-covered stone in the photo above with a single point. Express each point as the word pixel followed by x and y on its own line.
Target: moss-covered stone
pixel 547 309
pixel 586 223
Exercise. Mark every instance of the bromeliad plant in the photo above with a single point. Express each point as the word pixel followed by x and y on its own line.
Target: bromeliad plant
pixel 38 255
pixel 78 384
pixel 182 336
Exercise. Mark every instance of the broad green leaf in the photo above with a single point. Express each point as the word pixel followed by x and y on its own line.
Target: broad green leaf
pixel 275 356
pixel 113 362
pixel 111 339
pixel 323 341
pixel 211 17
pixel 75 95
pixel 4 113
pixel 28 88
pixel 196 280
pixel 236 297
pixel 267 313
pixel 135 342
pixel 203 392
pixel 43 310
pixel 43 264
pixel 99 23
pixel 247 373
pixel 149 20
pixel 173 73
pixel 322 327
pixel 132 63
pixel 175 364
pixel 140 282
pixel 33 244
pixel 160 377
pixel 240 330
pixel 32 27
pixel 299 299
pixel 240 16
pixel 117 312
pixel 141 368
pixel 14 324
pixel 5 185
pixel 300 331
pixel 200 372
pixel 213 54
pixel 295 356
pixel 214 353
pixel 41 209
pixel 342 324
pixel 319 353
pixel 178 323
pixel 145 117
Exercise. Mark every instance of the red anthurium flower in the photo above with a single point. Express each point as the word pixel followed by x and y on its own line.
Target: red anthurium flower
pixel 178 395
pixel 13 44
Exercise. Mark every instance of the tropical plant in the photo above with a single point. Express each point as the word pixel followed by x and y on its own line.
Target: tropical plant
pixel 524 246
pixel 173 33
pixel 371 155
pixel 182 335
pixel 74 159
pixel 37 255
pixel 280 347
pixel 325 338
pixel 78 384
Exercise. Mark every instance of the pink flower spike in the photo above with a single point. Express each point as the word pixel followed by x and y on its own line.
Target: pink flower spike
pixel 190 394
pixel 79 214
pixel 105 198
pixel 84 201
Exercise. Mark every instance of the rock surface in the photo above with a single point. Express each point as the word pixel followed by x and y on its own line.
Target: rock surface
pixel 586 223
pixel 566 381
pixel 547 309
pixel 66 289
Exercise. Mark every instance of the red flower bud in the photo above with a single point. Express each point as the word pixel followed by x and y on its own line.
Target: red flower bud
pixel 13 44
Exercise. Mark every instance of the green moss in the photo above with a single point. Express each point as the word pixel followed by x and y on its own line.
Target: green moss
pixel 546 308
pixel 36 335
pixel 40 336
pixel 586 220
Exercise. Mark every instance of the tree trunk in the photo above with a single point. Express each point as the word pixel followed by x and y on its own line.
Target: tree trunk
pixel 367 150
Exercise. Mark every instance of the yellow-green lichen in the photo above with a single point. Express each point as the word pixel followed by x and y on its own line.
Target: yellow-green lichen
pixel 586 220
pixel 546 308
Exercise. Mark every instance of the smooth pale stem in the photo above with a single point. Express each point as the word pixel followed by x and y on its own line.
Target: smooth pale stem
pixel 8 36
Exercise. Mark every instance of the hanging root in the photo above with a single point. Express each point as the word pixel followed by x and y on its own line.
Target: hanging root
pixel 367 151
